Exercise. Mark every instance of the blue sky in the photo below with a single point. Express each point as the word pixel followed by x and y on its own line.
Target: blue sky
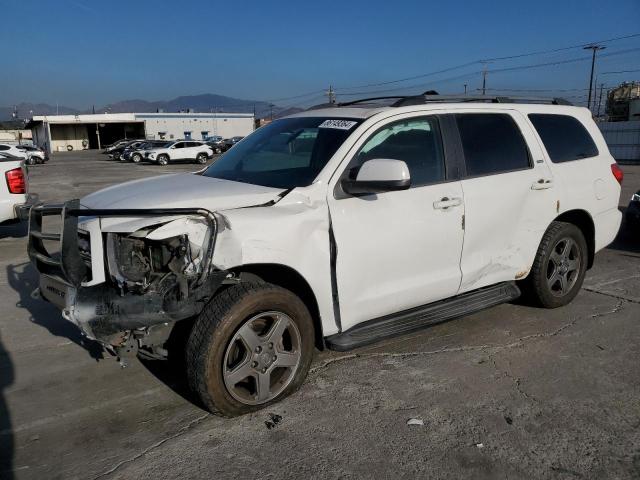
pixel 83 52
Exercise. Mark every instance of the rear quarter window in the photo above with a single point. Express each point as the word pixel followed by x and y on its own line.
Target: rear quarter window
pixel 564 137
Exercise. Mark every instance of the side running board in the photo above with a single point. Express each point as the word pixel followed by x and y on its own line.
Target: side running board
pixel 420 317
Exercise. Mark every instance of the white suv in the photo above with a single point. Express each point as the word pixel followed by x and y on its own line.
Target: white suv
pixel 180 151
pixel 336 227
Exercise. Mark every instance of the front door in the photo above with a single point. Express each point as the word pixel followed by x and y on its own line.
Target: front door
pixel 398 250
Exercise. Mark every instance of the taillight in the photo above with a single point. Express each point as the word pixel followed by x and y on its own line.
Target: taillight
pixel 15 181
pixel 617 172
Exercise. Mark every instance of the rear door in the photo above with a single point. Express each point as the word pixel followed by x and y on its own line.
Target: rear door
pixel 509 196
pixel 400 249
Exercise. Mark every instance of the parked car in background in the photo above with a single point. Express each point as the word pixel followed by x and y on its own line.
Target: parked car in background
pixel 110 148
pixel 137 155
pixel 632 213
pixel 230 142
pixel 180 151
pixel 116 152
pixel 13 187
pixel 34 154
pixel 13 150
pixel 216 143
pixel 358 219
pixel 129 148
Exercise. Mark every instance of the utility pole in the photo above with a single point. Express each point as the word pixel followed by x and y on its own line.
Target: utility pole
pixel 271 107
pixel 600 99
pixel 594 48
pixel 332 95
pixel 465 88
pixel 484 78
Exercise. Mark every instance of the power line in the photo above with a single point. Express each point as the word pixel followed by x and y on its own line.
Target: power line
pixel 620 71
pixel 475 62
pixel 562 49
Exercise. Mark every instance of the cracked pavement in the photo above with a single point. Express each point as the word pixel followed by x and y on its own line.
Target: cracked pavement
pixel 510 392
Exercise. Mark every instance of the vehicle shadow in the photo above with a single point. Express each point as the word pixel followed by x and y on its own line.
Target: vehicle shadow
pixel 6 435
pixel 628 239
pixel 171 372
pixel 23 278
pixel 14 230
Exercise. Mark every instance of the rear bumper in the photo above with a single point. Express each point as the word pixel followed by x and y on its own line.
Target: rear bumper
pixel 22 210
pixel 607 225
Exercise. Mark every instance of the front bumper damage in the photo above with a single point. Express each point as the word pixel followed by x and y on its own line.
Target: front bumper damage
pixel 147 287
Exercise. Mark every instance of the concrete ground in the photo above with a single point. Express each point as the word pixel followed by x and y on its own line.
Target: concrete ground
pixel 511 392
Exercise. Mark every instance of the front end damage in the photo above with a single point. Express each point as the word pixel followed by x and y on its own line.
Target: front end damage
pixel 126 289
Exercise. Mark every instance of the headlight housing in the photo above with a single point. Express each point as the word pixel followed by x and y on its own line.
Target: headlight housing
pixel 635 197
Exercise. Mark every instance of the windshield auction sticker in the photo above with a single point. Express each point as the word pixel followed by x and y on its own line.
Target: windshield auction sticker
pixel 339 124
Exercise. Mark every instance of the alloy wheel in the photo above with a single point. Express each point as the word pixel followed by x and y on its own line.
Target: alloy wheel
pixel 262 358
pixel 563 268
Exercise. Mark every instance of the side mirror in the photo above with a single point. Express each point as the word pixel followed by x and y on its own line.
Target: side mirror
pixel 379 175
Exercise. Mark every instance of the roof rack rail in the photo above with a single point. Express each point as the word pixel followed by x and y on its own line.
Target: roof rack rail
pixel 422 99
pixel 407 100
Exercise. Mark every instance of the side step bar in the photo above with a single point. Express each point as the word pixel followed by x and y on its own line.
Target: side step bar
pixel 420 317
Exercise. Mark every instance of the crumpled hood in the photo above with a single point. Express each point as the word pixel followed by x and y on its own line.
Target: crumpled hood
pixel 183 190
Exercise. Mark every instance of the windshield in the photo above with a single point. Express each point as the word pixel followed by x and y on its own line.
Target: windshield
pixel 286 153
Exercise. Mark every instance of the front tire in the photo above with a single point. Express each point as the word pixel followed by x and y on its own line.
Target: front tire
pixel 559 267
pixel 163 160
pixel 136 158
pixel 201 158
pixel 251 346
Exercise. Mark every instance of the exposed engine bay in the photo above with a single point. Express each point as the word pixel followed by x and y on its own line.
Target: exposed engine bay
pixel 152 281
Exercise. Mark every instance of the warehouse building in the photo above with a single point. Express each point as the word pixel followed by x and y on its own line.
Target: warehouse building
pixel 57 133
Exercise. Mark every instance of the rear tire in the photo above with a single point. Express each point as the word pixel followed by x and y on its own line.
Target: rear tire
pixel 201 158
pixel 251 346
pixel 136 158
pixel 163 160
pixel 559 267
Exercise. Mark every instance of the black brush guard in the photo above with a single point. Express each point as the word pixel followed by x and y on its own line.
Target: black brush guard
pixel 68 265
pixel 101 311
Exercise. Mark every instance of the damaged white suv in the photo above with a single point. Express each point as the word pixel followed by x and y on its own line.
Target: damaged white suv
pixel 335 227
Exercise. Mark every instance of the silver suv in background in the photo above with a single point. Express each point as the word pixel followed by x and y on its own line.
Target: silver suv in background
pixel 180 151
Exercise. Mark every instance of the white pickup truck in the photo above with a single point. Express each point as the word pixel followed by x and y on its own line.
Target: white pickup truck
pixel 13 188
pixel 335 227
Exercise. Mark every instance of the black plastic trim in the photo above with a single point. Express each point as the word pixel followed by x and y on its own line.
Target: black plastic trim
pixel 418 318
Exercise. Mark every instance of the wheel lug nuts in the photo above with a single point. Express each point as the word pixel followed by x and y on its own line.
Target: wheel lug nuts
pixel 271 346
pixel 258 349
pixel 254 364
pixel 264 370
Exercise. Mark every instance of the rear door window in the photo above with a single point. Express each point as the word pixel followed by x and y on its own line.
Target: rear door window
pixel 564 137
pixel 492 144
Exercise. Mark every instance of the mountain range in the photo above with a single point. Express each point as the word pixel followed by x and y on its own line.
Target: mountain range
pixel 204 103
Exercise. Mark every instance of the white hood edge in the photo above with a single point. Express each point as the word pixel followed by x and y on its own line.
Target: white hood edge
pixel 174 191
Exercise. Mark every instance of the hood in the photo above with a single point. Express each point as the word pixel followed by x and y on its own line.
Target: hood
pixel 185 190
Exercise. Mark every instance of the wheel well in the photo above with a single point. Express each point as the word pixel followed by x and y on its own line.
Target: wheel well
pixel 287 277
pixel 583 221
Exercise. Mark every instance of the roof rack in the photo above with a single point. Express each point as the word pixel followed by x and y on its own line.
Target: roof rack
pixel 422 99
pixel 406 100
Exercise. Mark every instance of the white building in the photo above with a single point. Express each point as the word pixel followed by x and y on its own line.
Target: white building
pixel 81 132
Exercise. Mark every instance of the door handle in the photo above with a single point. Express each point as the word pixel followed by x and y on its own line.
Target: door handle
pixel 445 203
pixel 542 184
